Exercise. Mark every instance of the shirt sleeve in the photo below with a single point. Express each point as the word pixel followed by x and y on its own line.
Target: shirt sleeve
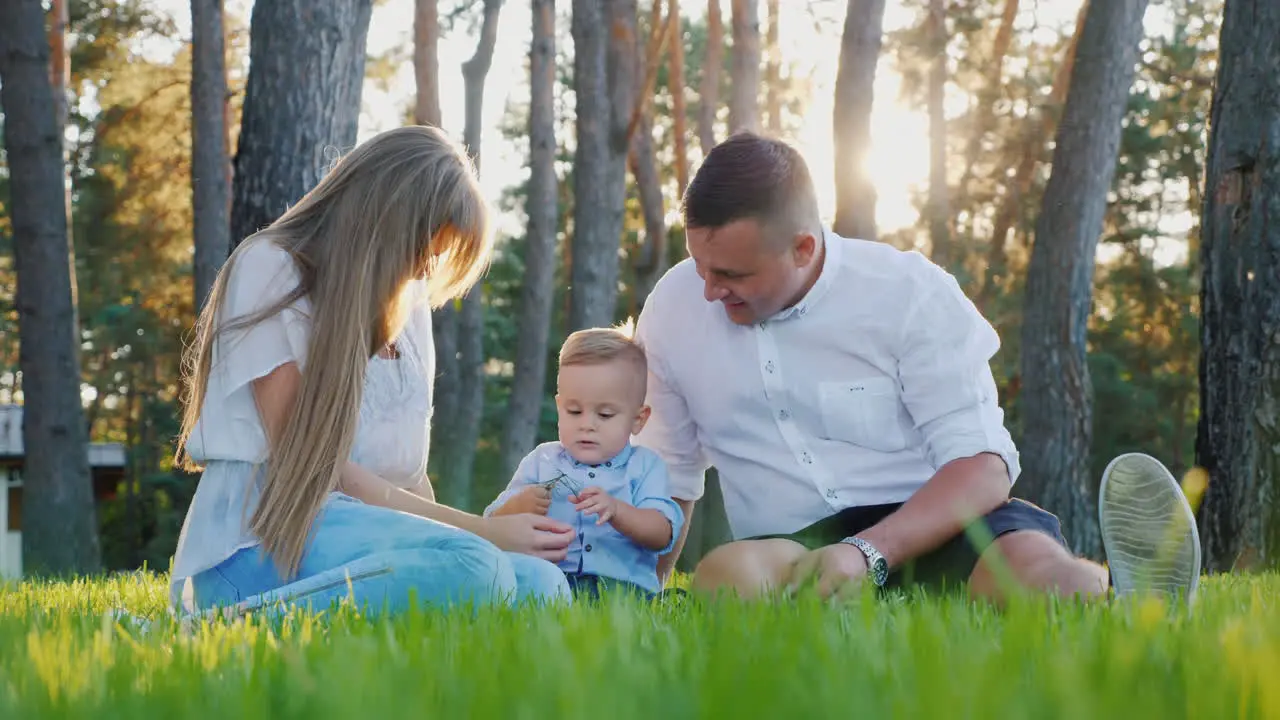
pixel 670 431
pixel 262 276
pixel 650 491
pixel 945 371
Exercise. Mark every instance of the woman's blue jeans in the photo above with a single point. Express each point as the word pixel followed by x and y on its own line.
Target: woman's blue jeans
pixel 385 561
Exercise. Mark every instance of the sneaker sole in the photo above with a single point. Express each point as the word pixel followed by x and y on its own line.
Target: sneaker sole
pixel 1149 533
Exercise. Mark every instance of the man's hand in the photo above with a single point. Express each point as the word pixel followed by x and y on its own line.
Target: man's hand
pixel 534 499
pixel 835 568
pixel 594 500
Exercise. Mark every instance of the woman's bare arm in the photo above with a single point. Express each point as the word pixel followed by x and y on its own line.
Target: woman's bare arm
pixel 275 395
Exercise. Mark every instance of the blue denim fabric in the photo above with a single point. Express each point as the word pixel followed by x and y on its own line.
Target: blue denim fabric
pixel 383 560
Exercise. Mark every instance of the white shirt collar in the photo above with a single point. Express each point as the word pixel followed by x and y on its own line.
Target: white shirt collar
pixel 826 278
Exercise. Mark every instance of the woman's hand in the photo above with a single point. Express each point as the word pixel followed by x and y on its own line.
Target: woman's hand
pixel 529 534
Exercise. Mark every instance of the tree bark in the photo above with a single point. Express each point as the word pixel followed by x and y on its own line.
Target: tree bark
pixel 744 102
pixel 302 103
pixel 653 256
pixel 773 70
pixel 604 58
pixel 941 250
pixel 520 432
pixel 855 95
pixel 651 259
pixel 680 140
pixel 426 62
pixel 992 84
pixel 60 64
pixel 460 451
pixel 60 530
pixel 650 60
pixel 210 164
pixel 1037 134
pixel 1056 393
pixel 709 89
pixel 1238 439
pixel 447 389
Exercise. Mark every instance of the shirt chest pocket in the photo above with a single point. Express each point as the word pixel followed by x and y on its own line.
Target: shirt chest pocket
pixel 866 412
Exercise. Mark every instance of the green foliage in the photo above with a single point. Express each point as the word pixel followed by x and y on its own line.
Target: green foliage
pixel 1143 336
pixel 132 230
pixel 132 223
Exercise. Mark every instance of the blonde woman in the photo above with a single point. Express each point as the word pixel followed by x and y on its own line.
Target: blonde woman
pixel 308 405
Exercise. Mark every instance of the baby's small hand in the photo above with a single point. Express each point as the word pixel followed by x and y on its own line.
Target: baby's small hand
pixel 532 499
pixel 595 501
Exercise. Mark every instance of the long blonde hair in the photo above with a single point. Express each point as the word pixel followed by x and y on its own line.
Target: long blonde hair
pixel 402 205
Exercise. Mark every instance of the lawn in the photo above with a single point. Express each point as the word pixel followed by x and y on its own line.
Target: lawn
pixel 62 655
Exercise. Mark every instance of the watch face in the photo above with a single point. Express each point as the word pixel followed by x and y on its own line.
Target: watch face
pixel 881 571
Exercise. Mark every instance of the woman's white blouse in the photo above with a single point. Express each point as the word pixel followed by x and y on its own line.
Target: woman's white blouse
pixel 393 431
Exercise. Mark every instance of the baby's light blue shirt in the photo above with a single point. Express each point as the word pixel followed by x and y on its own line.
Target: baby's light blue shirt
pixel 635 475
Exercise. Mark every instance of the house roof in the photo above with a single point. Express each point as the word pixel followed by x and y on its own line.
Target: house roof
pixel 100 454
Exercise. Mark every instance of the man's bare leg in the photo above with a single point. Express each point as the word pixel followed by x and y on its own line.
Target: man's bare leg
pixel 1149 534
pixel 750 568
pixel 1035 563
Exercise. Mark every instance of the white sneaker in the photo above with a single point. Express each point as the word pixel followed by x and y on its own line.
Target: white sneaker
pixel 1149 533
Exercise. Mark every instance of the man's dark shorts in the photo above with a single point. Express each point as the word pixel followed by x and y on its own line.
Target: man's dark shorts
pixel 949 566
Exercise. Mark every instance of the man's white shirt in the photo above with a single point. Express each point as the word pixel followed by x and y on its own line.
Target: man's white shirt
pixel 854 396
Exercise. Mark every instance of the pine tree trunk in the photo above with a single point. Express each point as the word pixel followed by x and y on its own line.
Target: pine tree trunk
pixel 744 102
pixel 460 453
pixel 653 256
pixel 210 165
pixel 60 81
pixel 1037 134
pixel 855 94
pixel 447 389
pixel 709 90
pixel 426 62
pixel 446 395
pixel 941 250
pixel 456 479
pixel 1056 396
pixel 678 109
pixel 1239 433
pixel 773 70
pixel 301 106
pixel 993 82
pixel 59 523
pixel 604 62
pixel 651 259
pixel 520 432
pixel 60 62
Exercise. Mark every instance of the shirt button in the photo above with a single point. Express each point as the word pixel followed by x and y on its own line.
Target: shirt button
pixel 808 458
pixel 831 494
pixel 803 309
pixel 591 474
pixel 609 464
pixel 783 414
pixel 768 367
pixel 587 548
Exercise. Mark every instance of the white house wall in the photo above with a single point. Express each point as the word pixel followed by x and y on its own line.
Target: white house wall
pixel 10 541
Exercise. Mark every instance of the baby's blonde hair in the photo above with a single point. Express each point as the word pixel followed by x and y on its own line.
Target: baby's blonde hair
pixel 596 346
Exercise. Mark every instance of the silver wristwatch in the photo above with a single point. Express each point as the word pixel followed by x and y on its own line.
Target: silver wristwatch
pixel 877 566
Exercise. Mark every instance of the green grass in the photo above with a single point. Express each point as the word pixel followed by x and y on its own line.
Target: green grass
pixel 61 655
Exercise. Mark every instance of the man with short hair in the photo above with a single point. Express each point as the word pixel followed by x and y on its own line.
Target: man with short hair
pixel 842 390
